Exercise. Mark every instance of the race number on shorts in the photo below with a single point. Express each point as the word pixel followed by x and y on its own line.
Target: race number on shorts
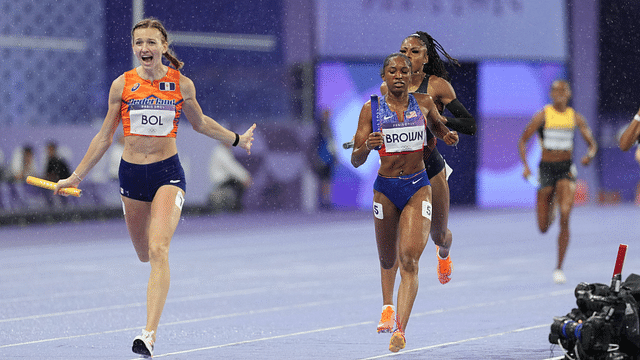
pixel 377 210
pixel 426 209
pixel 179 200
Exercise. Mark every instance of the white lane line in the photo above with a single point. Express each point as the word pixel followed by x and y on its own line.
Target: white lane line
pixel 494 303
pixel 263 339
pixel 371 323
pixel 73 312
pixel 458 342
pixel 209 296
pixel 210 318
pixel 139 304
pixel 298 306
pixel 137 328
pixel 251 291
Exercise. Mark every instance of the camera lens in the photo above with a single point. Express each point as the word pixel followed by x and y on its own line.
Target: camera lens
pixel 566 328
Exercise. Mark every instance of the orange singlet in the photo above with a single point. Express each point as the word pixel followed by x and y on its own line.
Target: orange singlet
pixel 151 108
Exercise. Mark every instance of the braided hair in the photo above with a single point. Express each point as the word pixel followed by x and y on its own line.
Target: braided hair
pixel 156 24
pixel 435 66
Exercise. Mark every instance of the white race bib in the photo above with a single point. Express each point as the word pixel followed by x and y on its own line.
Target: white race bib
pixel 406 138
pixel 152 120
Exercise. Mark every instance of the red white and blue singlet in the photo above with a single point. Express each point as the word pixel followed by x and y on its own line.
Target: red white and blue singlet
pixel 402 137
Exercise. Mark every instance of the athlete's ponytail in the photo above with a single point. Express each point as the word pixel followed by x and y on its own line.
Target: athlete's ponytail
pixel 173 59
pixel 156 24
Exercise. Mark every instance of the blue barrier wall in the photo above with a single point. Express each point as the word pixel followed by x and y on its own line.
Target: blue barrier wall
pixel 59 59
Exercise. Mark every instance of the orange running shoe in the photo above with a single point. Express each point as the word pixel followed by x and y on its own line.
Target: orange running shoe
pixel 445 267
pixel 398 341
pixel 387 319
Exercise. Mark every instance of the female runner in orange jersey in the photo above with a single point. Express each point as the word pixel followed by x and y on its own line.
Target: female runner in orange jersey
pixel 149 100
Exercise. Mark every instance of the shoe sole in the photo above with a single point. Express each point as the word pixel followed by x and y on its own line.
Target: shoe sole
pixel 140 348
pixel 396 344
pixel 559 281
pixel 385 330
pixel 559 278
pixel 445 278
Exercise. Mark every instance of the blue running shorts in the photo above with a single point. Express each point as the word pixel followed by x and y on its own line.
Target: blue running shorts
pixel 400 190
pixel 141 182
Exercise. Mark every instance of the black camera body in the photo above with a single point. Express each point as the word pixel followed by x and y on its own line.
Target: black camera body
pixel 605 325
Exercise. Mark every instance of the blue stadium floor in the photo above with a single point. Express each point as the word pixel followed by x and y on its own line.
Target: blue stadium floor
pixel 296 286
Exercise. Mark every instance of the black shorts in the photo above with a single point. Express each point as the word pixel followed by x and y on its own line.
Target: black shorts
pixel 141 182
pixel 551 172
pixel 434 164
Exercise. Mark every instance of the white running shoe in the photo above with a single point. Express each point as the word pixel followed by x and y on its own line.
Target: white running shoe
pixel 143 344
pixel 558 277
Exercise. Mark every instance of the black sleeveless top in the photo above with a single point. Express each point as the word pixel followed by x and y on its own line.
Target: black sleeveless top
pixel 431 139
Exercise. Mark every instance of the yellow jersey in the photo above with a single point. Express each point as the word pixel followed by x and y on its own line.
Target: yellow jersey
pixel 558 129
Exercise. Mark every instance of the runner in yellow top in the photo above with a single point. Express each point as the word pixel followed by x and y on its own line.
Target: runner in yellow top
pixel 556 125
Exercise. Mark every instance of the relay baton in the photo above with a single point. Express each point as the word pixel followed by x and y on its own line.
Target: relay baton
pixel 374 121
pixel 348 144
pixel 374 116
pixel 51 185
pixel 533 181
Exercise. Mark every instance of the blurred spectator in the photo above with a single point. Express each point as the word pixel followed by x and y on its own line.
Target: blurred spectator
pixel 230 180
pixel 23 164
pixel 57 167
pixel 3 168
pixel 4 175
pixel 324 159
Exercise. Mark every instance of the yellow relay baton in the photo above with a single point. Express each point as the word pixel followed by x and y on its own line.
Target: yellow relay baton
pixel 31 180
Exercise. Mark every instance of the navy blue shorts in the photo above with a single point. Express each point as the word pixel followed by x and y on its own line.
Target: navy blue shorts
pixel 400 190
pixel 141 182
